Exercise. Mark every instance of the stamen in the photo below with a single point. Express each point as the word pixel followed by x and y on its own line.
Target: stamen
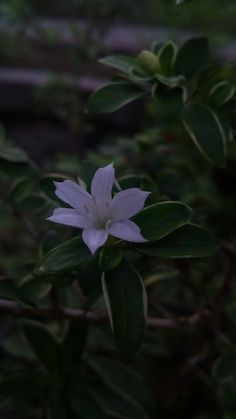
pixel 107 225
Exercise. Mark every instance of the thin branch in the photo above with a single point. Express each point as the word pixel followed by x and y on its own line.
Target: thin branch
pixel 16 309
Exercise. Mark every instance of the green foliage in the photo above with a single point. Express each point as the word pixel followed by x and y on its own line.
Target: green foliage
pixel 126 303
pixel 205 129
pixel 160 219
pixel 113 96
pixel 65 257
pixel 175 78
pixel 189 240
pixel 44 345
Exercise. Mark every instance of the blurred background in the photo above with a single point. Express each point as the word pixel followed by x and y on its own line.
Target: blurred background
pixel 49 52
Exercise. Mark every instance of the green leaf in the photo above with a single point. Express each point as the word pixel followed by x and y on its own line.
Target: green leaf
pixel 113 96
pixel 8 289
pixel 44 345
pixel 169 102
pixel 158 220
pixel 34 289
pixel 221 93
pixel 110 258
pixel 12 153
pixel 48 187
pixel 157 46
pixel 125 298
pixel 166 57
pixel 33 203
pixel 14 162
pixel 192 57
pixel 83 403
pixel 171 81
pixel 48 242
pixel 87 171
pixel 206 131
pixel 55 408
pixel 74 342
pixel 189 240
pixel 20 189
pixel 122 376
pixel 182 1
pixel 227 396
pixel 116 403
pixel 89 277
pixel 225 366
pixel 65 257
pixel 142 182
pixel 24 384
pixel 122 63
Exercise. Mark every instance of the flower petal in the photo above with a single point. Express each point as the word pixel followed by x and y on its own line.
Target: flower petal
pixel 69 217
pixel 73 194
pixel 94 238
pixel 126 230
pixel 102 183
pixel 127 203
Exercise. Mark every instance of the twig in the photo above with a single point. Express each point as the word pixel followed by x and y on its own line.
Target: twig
pixel 94 316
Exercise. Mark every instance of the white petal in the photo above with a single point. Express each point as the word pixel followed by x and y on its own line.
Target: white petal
pixel 73 194
pixel 102 184
pixel 69 217
pixel 127 203
pixel 126 230
pixel 94 238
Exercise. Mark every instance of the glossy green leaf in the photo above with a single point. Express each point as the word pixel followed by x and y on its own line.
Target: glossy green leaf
pixel 24 384
pixel 113 96
pixel 171 81
pixel 48 187
pixel 33 203
pixel 118 404
pixel 20 189
pixel 44 345
pixel 227 396
pixel 125 298
pixel 48 242
pixel 110 258
pixel 142 182
pixel 157 46
pixel 122 63
pixel 10 152
pixel 14 162
pixel 122 376
pixel 221 93
pixel 206 131
pixel 87 171
pixel 158 220
pixel 190 240
pixel 166 57
pixel 74 342
pixel 83 402
pixel 55 408
pixel 65 257
pixel 182 1
pixel 34 289
pixel 8 289
pixel 192 56
pixel 169 102
pixel 225 366
pixel 89 277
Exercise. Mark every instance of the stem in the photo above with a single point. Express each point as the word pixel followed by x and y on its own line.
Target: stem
pixel 15 309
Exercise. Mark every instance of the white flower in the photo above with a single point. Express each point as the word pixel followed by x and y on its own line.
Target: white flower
pixel 99 214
